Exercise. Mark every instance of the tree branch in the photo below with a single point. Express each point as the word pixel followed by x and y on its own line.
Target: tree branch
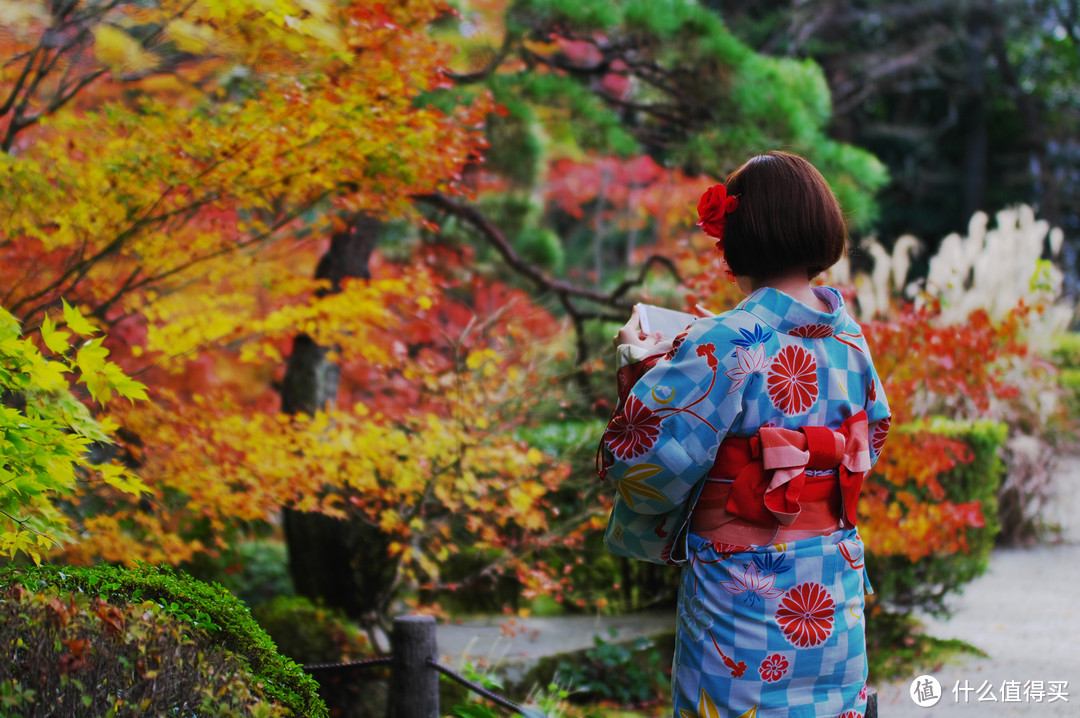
pixel 496 239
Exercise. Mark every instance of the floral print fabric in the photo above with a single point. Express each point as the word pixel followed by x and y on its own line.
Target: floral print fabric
pixel 634 431
pixel 793 380
pixel 772 361
pixel 772 630
pixel 762 631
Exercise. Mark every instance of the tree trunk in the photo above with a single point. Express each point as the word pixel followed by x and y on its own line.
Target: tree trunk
pixel 343 563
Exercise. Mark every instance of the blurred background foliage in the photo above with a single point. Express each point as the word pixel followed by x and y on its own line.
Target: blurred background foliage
pixel 368 259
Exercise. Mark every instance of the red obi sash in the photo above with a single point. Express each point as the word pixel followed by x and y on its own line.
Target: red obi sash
pixel 768 471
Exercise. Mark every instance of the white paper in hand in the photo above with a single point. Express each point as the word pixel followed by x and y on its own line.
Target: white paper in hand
pixel 668 322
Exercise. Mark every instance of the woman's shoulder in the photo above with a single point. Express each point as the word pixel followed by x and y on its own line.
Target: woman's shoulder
pixel 734 323
pixel 731 324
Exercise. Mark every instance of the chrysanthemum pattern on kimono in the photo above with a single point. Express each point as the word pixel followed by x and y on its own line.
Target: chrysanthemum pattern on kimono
pixel 763 630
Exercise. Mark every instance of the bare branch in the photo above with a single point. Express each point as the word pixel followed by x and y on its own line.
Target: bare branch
pixel 495 237
pixel 10 102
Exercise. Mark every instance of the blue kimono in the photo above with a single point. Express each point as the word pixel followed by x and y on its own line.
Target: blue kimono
pixel 763 630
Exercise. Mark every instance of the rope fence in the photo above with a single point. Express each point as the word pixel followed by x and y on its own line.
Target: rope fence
pixel 370 662
pixel 414 672
pixel 480 690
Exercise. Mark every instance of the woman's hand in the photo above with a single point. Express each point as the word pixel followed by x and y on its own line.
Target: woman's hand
pixel 701 311
pixel 630 333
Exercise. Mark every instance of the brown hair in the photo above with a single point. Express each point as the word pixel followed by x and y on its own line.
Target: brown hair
pixel 787 218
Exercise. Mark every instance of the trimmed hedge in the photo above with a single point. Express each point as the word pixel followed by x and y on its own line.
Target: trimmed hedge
pixel 1066 350
pixel 1065 355
pixel 212 617
pixel 905 585
pixel 76 656
pixel 313 634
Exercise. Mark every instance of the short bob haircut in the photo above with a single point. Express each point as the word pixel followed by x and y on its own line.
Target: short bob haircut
pixel 788 218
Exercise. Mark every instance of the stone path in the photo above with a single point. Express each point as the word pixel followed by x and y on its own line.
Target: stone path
pixel 1024 613
pixel 516 644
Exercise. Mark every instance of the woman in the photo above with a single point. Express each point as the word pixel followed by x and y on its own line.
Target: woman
pixel 738 450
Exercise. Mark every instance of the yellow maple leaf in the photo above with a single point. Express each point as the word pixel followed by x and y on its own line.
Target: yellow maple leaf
pixel 91 362
pixel 76 321
pixel 192 38
pixel 47 374
pixel 56 341
pixel 121 478
pixel 123 384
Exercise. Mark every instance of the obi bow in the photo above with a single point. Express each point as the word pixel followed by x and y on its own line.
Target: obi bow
pixel 769 470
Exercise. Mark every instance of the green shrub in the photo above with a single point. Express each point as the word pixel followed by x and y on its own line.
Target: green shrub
pixel 72 655
pixel 1069 379
pixel 309 633
pixel 206 610
pixel 253 571
pixel 903 585
pixel 628 675
pixel 313 635
pixel 605 581
pixel 1066 350
pixel 898 647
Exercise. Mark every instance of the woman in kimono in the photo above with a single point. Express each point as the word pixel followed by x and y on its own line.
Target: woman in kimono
pixel 738 450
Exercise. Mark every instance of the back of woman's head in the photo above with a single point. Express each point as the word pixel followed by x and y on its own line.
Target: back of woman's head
pixel 787 218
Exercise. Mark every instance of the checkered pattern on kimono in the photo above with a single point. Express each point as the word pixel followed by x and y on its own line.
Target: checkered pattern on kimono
pixel 770 361
pixel 842 369
pixel 681 393
pixel 773 631
pixel 657 538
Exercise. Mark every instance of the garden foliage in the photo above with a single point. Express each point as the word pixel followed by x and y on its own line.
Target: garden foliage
pixel 624 674
pixel 309 633
pixel 313 634
pixel 1066 357
pixel 47 434
pixel 139 641
pixel 179 169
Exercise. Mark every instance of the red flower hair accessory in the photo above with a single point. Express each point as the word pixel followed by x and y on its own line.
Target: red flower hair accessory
pixel 713 208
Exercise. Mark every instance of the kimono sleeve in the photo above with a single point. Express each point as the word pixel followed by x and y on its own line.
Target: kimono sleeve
pixel 665 437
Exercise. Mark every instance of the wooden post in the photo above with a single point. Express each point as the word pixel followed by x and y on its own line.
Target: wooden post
pixel 414 684
pixel 871 704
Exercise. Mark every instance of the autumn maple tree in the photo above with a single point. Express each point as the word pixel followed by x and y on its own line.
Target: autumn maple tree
pixel 175 170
